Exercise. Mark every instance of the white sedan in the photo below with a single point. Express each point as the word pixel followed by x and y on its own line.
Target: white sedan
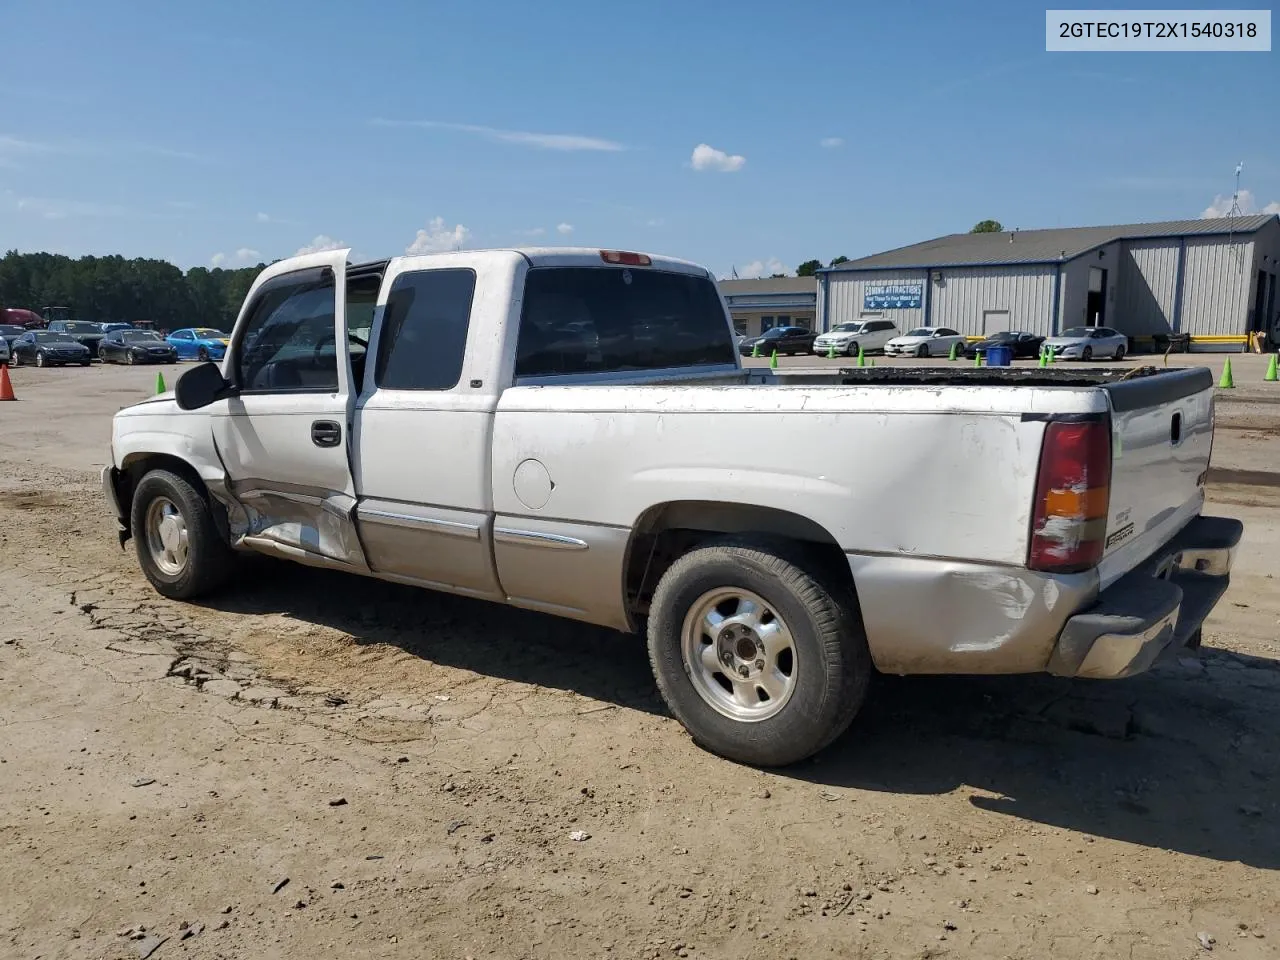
pixel 1088 343
pixel 924 342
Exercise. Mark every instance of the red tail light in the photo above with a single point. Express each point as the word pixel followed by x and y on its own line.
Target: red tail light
pixel 1073 497
pixel 625 258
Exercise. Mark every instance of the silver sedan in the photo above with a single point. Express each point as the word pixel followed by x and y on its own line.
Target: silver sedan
pixel 1088 343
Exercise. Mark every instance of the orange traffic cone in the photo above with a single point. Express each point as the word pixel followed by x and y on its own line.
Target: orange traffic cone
pixel 6 386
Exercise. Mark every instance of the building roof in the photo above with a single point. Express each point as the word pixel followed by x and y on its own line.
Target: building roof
pixel 1043 246
pixel 734 288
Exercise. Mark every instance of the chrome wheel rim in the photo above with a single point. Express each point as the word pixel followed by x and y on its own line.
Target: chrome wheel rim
pixel 166 536
pixel 739 654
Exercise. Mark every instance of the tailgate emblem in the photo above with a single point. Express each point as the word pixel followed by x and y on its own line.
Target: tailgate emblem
pixel 1124 533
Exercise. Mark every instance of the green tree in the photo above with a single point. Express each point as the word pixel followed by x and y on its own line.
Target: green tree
pixel 808 268
pixel 988 226
pixel 837 261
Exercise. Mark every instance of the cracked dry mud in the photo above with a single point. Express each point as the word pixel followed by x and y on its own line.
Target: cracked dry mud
pixel 167 765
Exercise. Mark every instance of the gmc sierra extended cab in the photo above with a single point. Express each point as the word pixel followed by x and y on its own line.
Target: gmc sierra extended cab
pixel 570 431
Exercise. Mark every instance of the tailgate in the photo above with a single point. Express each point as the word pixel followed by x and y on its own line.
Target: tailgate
pixel 1161 438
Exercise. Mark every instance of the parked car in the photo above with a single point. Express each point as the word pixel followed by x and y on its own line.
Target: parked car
pixel 847 337
pixel 135 346
pixel 4 350
pixel 10 332
pixel 81 331
pixel 737 515
pixel 1089 343
pixel 46 348
pixel 199 343
pixel 17 317
pixel 785 340
pixel 1022 344
pixel 924 342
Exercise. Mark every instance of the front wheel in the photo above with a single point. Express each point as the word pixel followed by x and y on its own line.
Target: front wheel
pixel 203 355
pixel 851 350
pixel 14 361
pixel 1087 353
pixel 178 544
pixel 761 657
pixel 129 358
pixel 40 360
pixel 102 355
pixel 922 350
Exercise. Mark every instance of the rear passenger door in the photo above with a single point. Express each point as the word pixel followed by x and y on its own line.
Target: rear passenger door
pixel 422 430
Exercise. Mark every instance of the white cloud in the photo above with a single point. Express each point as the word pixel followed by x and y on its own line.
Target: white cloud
pixel 1221 206
pixel 831 142
pixel 709 158
pixel 244 257
pixel 263 218
pixel 761 268
pixel 541 141
pixel 437 238
pixel 321 243
pixel 564 229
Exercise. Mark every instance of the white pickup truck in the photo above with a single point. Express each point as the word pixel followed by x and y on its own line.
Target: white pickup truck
pixel 570 431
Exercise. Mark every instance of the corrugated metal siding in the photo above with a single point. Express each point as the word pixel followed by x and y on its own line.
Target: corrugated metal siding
pixel 1075 286
pixel 1148 284
pixel 847 293
pixel 1026 292
pixel 1216 285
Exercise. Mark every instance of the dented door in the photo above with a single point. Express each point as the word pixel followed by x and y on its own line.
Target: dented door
pixel 284 435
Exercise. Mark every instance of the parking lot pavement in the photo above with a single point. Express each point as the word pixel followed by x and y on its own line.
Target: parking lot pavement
pixel 315 765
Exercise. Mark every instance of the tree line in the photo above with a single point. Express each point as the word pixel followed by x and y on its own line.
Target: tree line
pixel 114 289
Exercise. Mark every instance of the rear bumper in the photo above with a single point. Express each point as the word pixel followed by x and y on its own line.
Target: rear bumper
pixel 1156 608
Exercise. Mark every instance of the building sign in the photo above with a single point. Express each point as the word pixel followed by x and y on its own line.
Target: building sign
pixel 892 296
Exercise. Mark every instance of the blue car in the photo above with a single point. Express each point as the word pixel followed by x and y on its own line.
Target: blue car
pixel 199 343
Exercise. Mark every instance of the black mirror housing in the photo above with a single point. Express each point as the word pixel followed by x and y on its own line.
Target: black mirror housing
pixel 201 386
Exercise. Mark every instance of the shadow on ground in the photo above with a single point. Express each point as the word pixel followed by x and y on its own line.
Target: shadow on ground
pixel 1180 759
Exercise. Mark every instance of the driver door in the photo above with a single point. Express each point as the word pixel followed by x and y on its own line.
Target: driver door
pixel 284 433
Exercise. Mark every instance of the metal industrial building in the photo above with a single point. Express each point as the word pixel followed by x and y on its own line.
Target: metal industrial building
pixel 1213 279
pixel 759 305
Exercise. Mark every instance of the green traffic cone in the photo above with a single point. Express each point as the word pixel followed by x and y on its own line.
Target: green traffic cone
pixel 1044 361
pixel 977 359
pixel 831 351
pixel 1272 374
pixel 773 361
pixel 871 362
pixel 862 358
pixel 954 348
pixel 1226 383
pixel 755 349
pixel 160 387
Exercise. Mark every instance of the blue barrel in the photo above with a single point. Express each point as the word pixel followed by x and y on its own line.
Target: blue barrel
pixel 999 356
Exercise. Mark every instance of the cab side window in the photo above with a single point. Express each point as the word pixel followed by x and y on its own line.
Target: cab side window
pixel 424 330
pixel 287 345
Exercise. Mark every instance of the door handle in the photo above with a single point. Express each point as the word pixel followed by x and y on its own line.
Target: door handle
pixel 326 433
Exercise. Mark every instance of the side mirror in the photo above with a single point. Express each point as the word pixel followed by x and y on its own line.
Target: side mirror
pixel 201 386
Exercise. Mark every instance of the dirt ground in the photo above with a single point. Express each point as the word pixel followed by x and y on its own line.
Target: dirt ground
pixel 312 765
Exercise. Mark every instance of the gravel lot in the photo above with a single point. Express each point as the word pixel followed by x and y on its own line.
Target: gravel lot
pixel 317 766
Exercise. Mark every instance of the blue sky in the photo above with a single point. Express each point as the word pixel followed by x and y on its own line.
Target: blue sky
pixel 242 131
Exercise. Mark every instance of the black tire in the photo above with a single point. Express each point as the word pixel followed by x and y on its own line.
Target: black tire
pixel 14 360
pixel 85 363
pixel 40 359
pixel 833 663
pixel 129 358
pixel 1086 353
pixel 102 355
pixel 922 350
pixel 852 349
pixel 1120 352
pixel 209 559
pixel 202 355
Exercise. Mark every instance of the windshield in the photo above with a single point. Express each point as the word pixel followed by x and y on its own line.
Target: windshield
pixel 45 337
pixel 11 331
pixel 846 328
pixel 138 336
pixel 598 320
pixel 920 332
pixel 83 326
pixel 1075 332
pixel 208 333
pixel 772 334
pixel 1003 337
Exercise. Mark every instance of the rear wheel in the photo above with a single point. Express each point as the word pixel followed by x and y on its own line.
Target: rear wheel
pixel 1087 353
pixel 1120 351
pixel 178 544
pixel 761 657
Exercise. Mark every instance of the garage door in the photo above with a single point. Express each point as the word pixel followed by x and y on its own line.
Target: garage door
pixel 994 321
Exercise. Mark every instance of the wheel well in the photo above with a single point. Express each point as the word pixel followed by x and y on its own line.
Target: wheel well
pixel 138 466
pixel 666 532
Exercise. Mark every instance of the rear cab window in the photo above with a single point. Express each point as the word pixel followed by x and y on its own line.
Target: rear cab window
pixel 583 320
